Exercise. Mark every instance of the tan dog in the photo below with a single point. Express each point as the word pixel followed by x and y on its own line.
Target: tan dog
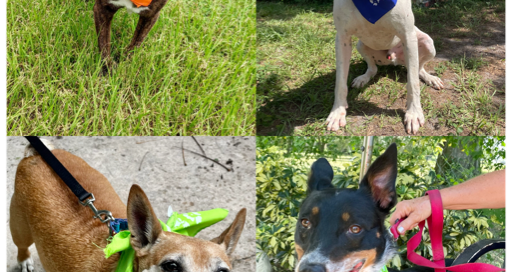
pixel 44 211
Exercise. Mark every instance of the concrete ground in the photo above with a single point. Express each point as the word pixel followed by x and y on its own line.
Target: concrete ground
pixel 156 164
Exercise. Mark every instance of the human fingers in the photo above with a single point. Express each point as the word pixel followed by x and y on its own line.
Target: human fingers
pixel 417 211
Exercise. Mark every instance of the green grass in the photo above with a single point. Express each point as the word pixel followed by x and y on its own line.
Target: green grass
pixel 193 75
pixel 296 73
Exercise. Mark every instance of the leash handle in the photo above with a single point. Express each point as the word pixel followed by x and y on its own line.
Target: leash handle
pixel 435 228
pixel 394 228
pixel 435 223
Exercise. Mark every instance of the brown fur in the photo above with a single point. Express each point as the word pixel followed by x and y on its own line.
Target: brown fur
pixel 103 15
pixel 369 255
pixel 299 251
pixel 45 212
pixel 345 216
pixel 315 210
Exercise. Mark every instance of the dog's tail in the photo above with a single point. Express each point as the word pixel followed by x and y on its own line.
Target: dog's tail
pixel 31 151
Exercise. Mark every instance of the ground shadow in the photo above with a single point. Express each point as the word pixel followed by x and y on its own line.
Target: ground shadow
pixel 272 10
pixel 282 111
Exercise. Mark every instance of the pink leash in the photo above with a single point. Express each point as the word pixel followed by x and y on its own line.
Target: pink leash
pixel 435 223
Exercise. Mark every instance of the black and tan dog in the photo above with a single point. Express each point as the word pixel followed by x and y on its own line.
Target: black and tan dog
pixel 342 230
pixel 104 11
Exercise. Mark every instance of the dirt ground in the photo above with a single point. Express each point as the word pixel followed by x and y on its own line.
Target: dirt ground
pixel 156 164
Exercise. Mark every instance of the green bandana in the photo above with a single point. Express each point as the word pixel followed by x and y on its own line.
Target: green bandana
pixel 384 269
pixel 188 224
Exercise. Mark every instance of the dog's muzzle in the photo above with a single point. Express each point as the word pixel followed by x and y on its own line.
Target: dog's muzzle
pixel 311 268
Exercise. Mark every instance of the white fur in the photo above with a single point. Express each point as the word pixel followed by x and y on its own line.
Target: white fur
pixel 27 265
pixel 30 151
pixel 396 27
pixel 154 268
pixel 130 7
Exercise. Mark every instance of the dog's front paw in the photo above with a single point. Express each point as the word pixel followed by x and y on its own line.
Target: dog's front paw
pixel 360 81
pixel 435 82
pixel 414 119
pixel 336 118
pixel 27 265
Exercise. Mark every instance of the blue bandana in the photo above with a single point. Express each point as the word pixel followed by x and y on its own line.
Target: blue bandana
pixel 373 10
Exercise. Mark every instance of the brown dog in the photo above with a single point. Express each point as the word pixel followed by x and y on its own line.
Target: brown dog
pixel 45 212
pixel 104 11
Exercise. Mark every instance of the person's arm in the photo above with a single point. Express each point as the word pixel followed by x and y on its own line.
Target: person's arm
pixel 483 192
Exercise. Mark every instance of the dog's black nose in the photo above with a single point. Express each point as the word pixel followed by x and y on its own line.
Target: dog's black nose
pixel 311 268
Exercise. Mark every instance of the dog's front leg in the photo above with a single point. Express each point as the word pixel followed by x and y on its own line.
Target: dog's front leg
pixel 414 114
pixel 103 16
pixel 336 118
pixel 143 27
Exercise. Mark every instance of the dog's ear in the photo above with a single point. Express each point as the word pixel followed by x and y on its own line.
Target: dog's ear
pixel 380 179
pixel 321 175
pixel 142 221
pixel 229 238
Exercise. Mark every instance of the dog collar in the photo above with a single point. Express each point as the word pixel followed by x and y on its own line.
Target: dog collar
pixel 384 269
pixel 143 3
pixel 188 224
pixel 373 10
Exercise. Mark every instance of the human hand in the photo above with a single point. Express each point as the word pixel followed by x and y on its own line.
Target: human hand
pixel 414 211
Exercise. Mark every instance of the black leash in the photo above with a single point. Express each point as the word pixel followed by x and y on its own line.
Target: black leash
pixel 85 198
pixel 59 169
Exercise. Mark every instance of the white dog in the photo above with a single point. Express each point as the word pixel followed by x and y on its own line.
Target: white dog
pixel 390 39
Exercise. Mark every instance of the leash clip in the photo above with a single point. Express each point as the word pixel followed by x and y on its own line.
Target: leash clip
pixel 103 215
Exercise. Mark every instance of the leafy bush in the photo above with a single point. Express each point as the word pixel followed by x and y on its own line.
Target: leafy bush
pixel 283 165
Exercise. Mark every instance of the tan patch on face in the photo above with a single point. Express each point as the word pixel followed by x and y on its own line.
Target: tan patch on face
pixel 202 251
pixel 345 216
pixel 299 251
pixel 378 234
pixel 315 210
pixel 369 256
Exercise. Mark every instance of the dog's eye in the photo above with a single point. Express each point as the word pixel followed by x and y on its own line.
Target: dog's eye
pixel 355 229
pixel 305 223
pixel 223 270
pixel 171 266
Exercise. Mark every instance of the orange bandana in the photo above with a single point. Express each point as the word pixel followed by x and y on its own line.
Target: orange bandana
pixel 140 3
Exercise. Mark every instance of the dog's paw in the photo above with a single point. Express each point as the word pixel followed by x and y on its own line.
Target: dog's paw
pixel 435 82
pixel 414 119
pixel 336 118
pixel 360 81
pixel 27 265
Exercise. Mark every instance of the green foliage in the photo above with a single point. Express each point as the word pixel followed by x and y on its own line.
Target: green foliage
pixel 283 164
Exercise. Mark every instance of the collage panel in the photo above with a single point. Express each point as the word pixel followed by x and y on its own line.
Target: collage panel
pixel 189 183
pixel 330 203
pixel 131 68
pixel 339 67
pixel 255 135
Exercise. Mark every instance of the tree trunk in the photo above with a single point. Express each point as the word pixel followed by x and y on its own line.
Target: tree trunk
pixel 453 155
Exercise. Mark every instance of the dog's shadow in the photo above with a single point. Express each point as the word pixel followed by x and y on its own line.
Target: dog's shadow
pixel 280 111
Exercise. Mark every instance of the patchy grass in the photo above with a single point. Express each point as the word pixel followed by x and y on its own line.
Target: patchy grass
pixel 296 73
pixel 193 75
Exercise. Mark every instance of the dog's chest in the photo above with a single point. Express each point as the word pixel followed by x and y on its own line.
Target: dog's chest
pixel 349 21
pixel 130 7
